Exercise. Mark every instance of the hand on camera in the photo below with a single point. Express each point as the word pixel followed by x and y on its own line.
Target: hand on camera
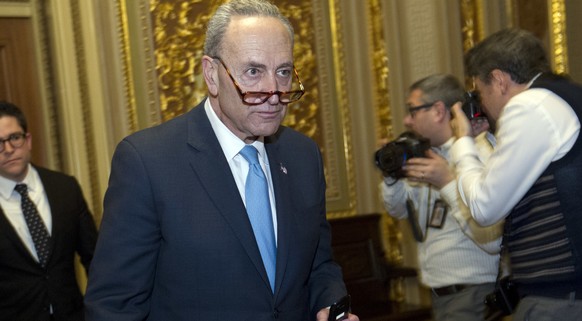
pixel 432 169
pixel 459 122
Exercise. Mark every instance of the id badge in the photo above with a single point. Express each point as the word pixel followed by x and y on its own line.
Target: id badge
pixel 439 214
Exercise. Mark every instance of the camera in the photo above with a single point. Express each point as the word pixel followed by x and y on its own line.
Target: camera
pixel 472 105
pixel 505 297
pixel 392 156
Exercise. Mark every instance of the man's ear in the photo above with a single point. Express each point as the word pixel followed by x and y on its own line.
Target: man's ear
pixel 440 109
pixel 501 80
pixel 210 72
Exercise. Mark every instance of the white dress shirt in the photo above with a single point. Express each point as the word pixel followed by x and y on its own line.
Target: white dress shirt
pixel 461 252
pixel 231 146
pixel 535 128
pixel 10 202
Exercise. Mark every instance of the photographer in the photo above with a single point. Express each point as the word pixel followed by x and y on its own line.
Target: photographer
pixel 458 259
pixel 532 178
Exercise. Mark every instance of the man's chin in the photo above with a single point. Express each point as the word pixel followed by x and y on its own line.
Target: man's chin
pixel 15 172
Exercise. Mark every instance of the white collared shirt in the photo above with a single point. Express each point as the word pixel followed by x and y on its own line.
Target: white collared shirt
pixel 535 128
pixel 461 251
pixel 10 202
pixel 231 146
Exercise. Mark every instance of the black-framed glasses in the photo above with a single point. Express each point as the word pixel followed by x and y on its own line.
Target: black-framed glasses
pixel 15 140
pixel 259 97
pixel 412 110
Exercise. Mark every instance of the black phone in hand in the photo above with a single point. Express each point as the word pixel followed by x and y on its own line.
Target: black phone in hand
pixel 339 310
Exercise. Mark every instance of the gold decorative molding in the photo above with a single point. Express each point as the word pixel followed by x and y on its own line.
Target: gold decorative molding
pixel 381 73
pixel 557 32
pixel 347 198
pixel 472 27
pixel 179 28
pixel 89 138
pixel 382 107
pixel 48 90
pixel 544 18
pixel 129 90
pixel 471 22
pixel 392 236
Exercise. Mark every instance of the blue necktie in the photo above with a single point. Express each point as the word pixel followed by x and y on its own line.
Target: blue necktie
pixel 36 227
pixel 259 211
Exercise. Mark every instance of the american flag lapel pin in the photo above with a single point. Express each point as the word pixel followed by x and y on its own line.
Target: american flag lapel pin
pixel 283 169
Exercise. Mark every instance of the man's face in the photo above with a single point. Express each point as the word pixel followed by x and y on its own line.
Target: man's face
pixel 14 160
pixel 259 55
pixel 420 120
pixel 492 100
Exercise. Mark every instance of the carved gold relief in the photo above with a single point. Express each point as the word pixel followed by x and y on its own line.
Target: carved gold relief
pixel 471 27
pixel 471 22
pixel 558 43
pixel 179 28
pixel 544 18
pixel 90 148
pixel 129 91
pixel 343 194
pixel 382 107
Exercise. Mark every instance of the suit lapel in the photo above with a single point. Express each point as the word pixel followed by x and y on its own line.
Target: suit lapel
pixel 7 231
pixel 209 164
pixel 279 176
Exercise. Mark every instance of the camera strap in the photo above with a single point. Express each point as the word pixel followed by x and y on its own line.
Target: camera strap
pixel 433 219
pixel 413 220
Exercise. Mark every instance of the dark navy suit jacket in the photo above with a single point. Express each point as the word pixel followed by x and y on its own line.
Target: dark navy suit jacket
pixel 26 289
pixel 176 242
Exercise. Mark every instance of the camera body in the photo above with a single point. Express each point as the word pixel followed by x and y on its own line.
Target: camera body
pixel 472 105
pixel 392 156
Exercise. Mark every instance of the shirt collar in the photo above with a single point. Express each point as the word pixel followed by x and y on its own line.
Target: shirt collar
pixel 443 149
pixel 231 145
pixel 32 180
pixel 533 79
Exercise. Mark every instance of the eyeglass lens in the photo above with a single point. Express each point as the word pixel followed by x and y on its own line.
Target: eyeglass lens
pixel 15 140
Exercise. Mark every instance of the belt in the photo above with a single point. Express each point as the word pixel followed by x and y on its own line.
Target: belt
pixel 451 289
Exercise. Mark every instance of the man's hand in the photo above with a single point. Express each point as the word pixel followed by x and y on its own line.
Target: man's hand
pixel 323 314
pixel 432 169
pixel 479 125
pixel 459 122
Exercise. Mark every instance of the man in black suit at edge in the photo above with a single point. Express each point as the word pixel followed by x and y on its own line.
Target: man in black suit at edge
pixel 37 272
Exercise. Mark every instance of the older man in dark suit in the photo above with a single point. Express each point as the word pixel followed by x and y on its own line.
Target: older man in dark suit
pixel 44 222
pixel 181 237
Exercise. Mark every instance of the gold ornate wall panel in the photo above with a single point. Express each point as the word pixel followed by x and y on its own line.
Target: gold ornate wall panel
pixel 558 41
pixel 544 18
pixel 88 130
pixel 125 54
pixel 178 38
pixel 472 22
pixel 547 20
pixel 382 107
pixel 381 72
pixel 331 101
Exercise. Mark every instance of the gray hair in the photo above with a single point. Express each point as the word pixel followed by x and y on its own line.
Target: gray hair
pixel 439 87
pixel 514 51
pixel 221 19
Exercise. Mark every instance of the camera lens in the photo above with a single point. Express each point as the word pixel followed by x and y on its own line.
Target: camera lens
pixel 389 158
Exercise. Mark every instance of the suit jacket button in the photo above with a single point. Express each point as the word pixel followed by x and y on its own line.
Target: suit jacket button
pixel 276 314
